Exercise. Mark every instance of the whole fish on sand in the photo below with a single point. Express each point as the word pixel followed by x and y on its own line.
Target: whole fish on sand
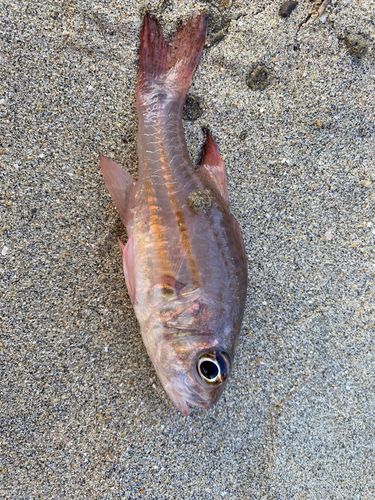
pixel 184 261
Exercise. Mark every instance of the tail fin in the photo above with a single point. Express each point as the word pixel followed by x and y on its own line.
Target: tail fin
pixel 185 50
pixel 152 52
pixel 170 64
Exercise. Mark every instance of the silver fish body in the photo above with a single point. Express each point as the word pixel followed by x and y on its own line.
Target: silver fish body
pixel 184 262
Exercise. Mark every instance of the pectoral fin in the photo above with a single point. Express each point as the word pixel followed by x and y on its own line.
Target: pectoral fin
pixel 211 169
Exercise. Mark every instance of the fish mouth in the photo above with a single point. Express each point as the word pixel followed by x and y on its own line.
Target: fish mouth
pixel 182 397
pixel 184 405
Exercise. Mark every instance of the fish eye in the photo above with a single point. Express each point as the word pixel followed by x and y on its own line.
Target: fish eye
pixel 213 367
pixel 208 369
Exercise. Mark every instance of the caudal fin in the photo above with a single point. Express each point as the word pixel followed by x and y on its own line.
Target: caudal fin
pixel 152 52
pixel 170 65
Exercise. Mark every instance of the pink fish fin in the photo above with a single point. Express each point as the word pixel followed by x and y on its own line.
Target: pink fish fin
pixel 177 272
pixel 174 276
pixel 184 51
pixel 118 182
pixel 239 238
pixel 211 167
pixel 179 262
pixel 127 252
pixel 152 55
pixel 170 64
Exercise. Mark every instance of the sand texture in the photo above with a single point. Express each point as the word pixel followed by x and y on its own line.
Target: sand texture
pixel 291 103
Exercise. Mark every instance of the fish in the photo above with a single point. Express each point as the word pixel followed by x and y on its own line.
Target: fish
pixel 184 262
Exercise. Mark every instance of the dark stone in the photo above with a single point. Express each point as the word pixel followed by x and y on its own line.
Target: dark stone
pixel 258 77
pixel 192 109
pixel 128 137
pixel 200 201
pixel 217 27
pixel 215 38
pixel 287 8
pixel 243 135
pixel 357 45
pixel 220 4
pixel 216 22
pixel 164 5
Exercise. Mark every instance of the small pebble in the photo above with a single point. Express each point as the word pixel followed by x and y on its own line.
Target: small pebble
pixel 367 183
pixel 287 8
pixel 200 201
pixel 328 236
pixel 258 78
pixel 357 45
pixel 192 108
pixel 4 251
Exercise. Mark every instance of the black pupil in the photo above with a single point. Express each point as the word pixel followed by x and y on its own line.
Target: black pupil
pixel 209 370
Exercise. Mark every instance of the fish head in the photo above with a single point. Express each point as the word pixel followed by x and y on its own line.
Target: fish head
pixel 203 384
pixel 193 378
pixel 192 354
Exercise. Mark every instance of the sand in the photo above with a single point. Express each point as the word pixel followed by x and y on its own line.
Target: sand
pixel 292 109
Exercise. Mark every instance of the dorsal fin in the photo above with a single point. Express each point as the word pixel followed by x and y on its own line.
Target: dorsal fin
pixel 118 182
pixel 211 167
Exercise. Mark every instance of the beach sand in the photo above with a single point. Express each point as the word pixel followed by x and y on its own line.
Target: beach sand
pixel 292 108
